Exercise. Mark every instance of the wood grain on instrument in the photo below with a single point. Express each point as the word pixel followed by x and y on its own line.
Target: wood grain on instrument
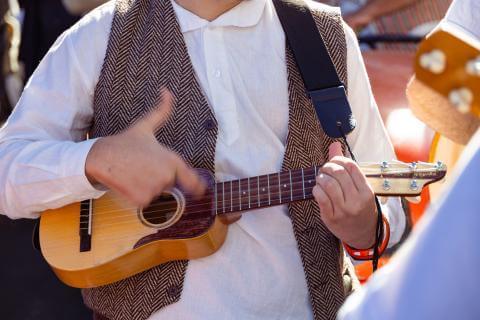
pixel 113 256
pixel 124 244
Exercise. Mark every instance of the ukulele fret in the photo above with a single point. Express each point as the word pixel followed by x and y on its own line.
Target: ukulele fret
pixel 303 184
pixel 279 188
pixel 263 188
pixel 248 182
pixel 231 196
pixel 268 189
pixel 258 191
pixel 291 190
pixel 240 193
pixel 223 196
pixel 310 182
pixel 216 200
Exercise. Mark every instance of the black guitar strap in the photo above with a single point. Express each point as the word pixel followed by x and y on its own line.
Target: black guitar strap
pixel 321 80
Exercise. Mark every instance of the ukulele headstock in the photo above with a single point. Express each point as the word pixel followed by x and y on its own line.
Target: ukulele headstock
pixel 402 179
pixel 450 65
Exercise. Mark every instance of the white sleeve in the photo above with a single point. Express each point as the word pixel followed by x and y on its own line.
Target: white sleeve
pixel 431 276
pixel 465 15
pixel 369 140
pixel 42 147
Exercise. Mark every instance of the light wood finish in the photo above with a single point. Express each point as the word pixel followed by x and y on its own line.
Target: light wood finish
pixel 429 93
pixel 458 50
pixel 449 152
pixel 121 245
pixel 115 233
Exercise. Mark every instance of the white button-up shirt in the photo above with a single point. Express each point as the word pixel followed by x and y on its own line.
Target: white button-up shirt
pixel 239 59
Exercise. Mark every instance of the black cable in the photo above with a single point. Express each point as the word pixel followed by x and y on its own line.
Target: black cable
pixel 379 228
pixel 378 235
pixel 344 138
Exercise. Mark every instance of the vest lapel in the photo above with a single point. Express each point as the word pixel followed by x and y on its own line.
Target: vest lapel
pixel 319 249
pixel 128 87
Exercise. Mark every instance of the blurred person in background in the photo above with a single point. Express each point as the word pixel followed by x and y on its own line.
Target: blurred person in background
pixel 392 17
pixel 81 7
pixel 434 275
pixel 360 13
pixel 44 21
pixel 368 11
pixel 10 76
pixel 24 275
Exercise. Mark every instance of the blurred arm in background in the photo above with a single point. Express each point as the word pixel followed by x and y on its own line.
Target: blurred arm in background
pixel 81 7
pixel 374 9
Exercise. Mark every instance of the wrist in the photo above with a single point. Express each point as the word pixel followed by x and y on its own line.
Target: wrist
pixel 366 239
pixel 367 254
pixel 92 168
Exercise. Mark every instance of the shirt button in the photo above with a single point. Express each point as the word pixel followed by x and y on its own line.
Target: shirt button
pixel 173 291
pixel 218 73
pixel 209 124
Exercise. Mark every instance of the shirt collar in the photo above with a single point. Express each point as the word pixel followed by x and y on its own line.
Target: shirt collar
pixel 246 14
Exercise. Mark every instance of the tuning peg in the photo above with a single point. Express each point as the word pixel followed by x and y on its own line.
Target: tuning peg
pixel 414 185
pixel 386 185
pixel 461 99
pixel 414 200
pixel 384 166
pixel 433 61
pixel 473 67
pixel 440 165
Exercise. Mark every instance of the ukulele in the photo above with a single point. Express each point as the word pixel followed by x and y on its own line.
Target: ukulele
pixel 98 242
pixel 448 62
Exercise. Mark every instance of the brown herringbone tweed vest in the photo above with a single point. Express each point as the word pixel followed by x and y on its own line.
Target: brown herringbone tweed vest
pixel 146 51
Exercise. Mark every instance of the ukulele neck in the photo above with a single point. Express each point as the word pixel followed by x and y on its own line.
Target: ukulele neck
pixel 386 179
pixel 265 191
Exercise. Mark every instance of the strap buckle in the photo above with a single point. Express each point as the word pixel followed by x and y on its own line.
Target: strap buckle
pixel 333 111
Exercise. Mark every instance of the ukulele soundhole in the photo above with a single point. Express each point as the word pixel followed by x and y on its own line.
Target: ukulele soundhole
pixel 164 211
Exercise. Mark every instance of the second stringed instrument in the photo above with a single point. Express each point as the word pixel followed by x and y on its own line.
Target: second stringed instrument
pixel 97 242
pixel 448 62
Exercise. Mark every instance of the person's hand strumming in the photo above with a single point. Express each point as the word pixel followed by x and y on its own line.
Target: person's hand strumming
pixel 134 164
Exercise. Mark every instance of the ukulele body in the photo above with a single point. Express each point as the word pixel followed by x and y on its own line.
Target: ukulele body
pixel 125 241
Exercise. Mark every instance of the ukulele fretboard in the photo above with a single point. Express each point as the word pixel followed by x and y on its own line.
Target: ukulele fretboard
pixel 264 191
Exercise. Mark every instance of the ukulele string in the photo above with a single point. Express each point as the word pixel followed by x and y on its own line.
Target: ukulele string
pixel 106 238
pixel 111 201
pixel 116 236
pixel 295 176
pixel 228 200
pixel 258 204
pixel 134 218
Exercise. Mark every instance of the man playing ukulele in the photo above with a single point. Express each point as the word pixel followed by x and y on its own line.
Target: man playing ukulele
pixel 236 106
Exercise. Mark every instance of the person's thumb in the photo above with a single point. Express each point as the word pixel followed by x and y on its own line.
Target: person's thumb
pixel 159 115
pixel 335 150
